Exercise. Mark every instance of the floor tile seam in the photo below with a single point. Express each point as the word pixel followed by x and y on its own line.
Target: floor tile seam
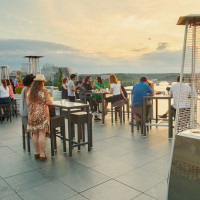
pixel 149 162
pixel 15 152
pixel 75 195
pixel 83 190
pixel 127 185
pixel 146 195
pixel 153 172
pixel 155 185
pixel 116 159
pixel 11 189
pixel 127 172
pixel 150 154
pixel 79 162
pixel 18 192
pixel 95 186
pixel 20 173
pixel 11 195
pixel 32 186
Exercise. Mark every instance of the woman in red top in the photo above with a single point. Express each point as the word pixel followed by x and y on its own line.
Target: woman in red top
pixel 11 93
pixel 19 84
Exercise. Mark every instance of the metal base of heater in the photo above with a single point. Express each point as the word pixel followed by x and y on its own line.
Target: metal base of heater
pixel 184 180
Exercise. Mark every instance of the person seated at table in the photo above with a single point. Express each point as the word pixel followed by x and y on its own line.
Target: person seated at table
pixel 87 87
pixel 184 105
pixel 139 91
pixel 116 90
pixel 27 81
pixel 71 88
pixel 11 93
pixel 38 100
pixel 78 84
pixel 98 85
pixel 4 93
pixel 149 102
pixel 64 88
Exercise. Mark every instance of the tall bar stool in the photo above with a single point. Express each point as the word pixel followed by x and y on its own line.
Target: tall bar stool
pixel 136 110
pixel 5 112
pixel 14 107
pixel 25 134
pixel 57 122
pixel 119 106
pixel 80 118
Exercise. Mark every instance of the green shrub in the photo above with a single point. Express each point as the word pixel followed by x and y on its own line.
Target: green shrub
pixel 60 79
pixel 18 89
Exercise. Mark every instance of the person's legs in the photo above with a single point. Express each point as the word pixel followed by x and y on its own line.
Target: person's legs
pixel 42 143
pixel 72 98
pixel 91 103
pixel 35 143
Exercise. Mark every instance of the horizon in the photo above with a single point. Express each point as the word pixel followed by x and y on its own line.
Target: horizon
pixel 94 37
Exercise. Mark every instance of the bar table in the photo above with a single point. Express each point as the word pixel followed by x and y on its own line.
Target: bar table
pixel 63 104
pixel 144 117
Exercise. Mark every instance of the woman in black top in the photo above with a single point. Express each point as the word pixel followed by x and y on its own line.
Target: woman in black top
pixel 64 88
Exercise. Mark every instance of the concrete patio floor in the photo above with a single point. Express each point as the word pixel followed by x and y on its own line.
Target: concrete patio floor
pixel 120 166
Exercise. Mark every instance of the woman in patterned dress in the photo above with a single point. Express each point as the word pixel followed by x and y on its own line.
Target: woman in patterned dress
pixel 38 115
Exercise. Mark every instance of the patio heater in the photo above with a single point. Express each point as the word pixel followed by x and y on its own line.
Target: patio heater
pixel 4 72
pixel 184 173
pixel 33 64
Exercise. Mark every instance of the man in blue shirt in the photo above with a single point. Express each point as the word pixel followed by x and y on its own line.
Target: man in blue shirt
pixel 140 90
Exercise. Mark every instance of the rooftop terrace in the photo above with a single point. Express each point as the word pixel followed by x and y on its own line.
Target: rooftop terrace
pixel 121 166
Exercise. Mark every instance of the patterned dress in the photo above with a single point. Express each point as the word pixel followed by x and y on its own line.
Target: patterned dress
pixel 38 115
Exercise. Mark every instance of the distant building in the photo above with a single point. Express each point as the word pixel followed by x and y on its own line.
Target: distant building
pixel 67 71
pixel 51 72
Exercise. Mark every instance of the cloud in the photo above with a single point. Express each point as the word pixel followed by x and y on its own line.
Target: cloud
pixel 12 53
pixel 162 46
pixel 10 46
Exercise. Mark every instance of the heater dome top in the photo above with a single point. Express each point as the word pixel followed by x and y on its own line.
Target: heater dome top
pixel 193 19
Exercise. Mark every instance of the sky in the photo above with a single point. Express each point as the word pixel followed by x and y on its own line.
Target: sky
pixel 95 36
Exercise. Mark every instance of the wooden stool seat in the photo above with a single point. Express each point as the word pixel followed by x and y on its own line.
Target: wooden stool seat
pixel 80 118
pixel 119 107
pixel 57 122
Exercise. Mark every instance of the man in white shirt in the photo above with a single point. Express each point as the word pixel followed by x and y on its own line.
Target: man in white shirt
pixel 184 103
pixel 71 88
pixel 184 95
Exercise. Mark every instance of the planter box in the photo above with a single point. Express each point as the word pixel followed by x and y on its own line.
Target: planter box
pixel 18 98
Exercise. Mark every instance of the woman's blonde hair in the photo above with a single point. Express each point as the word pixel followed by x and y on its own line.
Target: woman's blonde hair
pixel 113 79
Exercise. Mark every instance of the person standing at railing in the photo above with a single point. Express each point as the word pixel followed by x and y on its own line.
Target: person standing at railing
pixel 64 88
pixel 78 84
pixel 11 93
pixel 27 81
pixel 71 88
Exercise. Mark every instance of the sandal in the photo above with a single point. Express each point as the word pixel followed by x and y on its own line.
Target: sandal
pixel 42 159
pixel 37 156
